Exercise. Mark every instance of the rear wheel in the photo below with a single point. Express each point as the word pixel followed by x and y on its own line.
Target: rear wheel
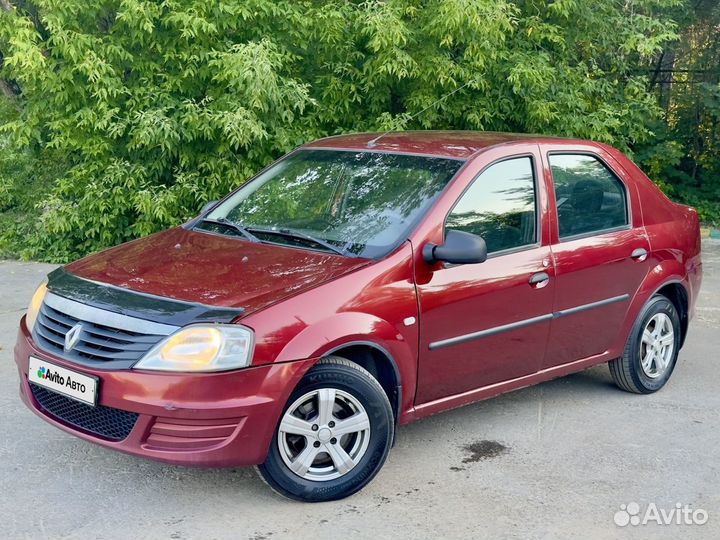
pixel 333 436
pixel 652 348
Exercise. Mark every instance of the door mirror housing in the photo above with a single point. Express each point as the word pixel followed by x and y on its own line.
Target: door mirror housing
pixel 459 248
pixel 207 207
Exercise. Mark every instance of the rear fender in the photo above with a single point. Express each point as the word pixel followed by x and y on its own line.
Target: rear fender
pixel 665 273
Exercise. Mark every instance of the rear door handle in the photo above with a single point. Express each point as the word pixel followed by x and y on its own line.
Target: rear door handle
pixel 539 280
pixel 640 254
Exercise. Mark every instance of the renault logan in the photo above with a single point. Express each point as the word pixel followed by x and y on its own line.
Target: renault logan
pixel 359 283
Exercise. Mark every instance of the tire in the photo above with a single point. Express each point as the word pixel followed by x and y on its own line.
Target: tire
pixel 327 476
pixel 643 369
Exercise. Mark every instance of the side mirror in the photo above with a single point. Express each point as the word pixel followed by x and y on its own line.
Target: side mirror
pixel 207 207
pixel 459 248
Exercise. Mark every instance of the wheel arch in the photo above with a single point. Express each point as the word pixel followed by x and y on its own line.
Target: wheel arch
pixel 676 292
pixel 668 280
pixel 379 363
pixel 387 351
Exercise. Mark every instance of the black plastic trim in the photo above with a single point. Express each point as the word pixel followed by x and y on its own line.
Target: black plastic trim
pixel 591 234
pixel 99 421
pixel 593 305
pixel 136 304
pixel 525 322
pixel 489 332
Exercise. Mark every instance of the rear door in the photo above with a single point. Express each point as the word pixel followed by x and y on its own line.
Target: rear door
pixel 599 249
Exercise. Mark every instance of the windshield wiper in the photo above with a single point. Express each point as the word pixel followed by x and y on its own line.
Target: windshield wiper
pixel 232 225
pixel 292 233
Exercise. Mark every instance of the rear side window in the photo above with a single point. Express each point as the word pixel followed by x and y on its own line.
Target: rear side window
pixel 589 197
pixel 499 206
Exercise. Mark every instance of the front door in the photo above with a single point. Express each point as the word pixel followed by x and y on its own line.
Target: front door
pixel 485 323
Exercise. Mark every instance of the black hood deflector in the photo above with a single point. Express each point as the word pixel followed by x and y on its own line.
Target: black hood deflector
pixel 136 304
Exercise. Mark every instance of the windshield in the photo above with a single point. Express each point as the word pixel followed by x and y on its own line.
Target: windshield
pixel 355 203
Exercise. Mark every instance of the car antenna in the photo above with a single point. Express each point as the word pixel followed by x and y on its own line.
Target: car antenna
pixel 372 143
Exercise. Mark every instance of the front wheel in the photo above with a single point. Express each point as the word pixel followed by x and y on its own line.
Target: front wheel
pixel 651 350
pixel 334 434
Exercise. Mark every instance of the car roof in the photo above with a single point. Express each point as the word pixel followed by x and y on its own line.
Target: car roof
pixel 451 144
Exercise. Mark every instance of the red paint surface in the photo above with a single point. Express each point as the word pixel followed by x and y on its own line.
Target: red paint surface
pixel 212 269
pixel 303 305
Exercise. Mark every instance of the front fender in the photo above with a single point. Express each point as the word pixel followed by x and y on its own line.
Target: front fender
pixel 356 328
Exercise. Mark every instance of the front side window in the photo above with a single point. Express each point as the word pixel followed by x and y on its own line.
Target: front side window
pixel 355 203
pixel 589 197
pixel 499 206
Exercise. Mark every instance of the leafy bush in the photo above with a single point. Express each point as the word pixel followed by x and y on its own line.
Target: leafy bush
pixel 25 179
pixel 157 107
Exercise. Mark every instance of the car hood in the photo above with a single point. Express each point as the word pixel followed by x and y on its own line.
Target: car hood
pixel 212 269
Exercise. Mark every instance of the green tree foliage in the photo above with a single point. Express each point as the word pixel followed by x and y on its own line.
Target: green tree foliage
pixel 157 107
pixel 25 179
pixel 685 153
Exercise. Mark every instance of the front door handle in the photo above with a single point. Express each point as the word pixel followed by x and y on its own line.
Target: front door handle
pixel 640 254
pixel 539 280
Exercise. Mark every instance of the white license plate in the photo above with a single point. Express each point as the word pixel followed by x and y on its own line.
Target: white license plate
pixel 63 381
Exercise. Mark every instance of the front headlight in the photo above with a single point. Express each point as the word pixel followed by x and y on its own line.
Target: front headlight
pixel 35 303
pixel 201 348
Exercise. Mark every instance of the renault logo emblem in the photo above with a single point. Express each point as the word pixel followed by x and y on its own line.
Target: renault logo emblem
pixel 72 337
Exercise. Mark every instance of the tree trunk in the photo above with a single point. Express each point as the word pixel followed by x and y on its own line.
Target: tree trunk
pixel 665 78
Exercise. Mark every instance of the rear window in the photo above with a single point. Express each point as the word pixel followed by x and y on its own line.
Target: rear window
pixel 590 198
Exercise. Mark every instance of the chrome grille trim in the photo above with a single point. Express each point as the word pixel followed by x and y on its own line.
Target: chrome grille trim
pixel 84 312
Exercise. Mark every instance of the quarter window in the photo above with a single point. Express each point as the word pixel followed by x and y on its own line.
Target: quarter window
pixel 499 206
pixel 589 197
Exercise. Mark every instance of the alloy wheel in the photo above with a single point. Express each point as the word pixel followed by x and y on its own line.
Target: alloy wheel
pixel 324 434
pixel 657 345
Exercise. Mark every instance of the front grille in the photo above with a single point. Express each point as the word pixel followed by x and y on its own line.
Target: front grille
pixel 106 422
pixel 97 343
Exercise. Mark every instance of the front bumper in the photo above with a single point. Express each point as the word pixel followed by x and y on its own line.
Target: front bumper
pixel 209 419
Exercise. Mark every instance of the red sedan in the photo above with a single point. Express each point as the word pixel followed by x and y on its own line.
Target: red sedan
pixel 359 283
